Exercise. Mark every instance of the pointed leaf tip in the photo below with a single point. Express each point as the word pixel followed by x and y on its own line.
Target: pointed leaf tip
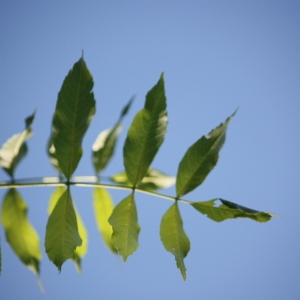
pixel 74 111
pixel 62 235
pixel 200 159
pixel 174 238
pixel 125 227
pixel 146 134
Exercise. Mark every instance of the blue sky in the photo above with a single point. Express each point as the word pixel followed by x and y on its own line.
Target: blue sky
pixel 217 56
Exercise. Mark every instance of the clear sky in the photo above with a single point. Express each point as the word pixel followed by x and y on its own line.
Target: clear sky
pixel 217 56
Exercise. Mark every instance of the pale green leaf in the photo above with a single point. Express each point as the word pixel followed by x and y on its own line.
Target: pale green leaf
pixel 103 208
pixel 104 146
pixel 15 148
pixel 153 180
pixel 200 159
pixel 62 235
pixel 146 134
pixel 173 236
pixel 229 210
pixel 74 111
pixel 125 226
pixel 20 234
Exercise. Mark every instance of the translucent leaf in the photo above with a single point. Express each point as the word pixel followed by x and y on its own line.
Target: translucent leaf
pixel 103 207
pixel 62 235
pixel 174 238
pixel 153 180
pixel 229 210
pixel 125 227
pixel 104 146
pixel 74 111
pixel 15 148
pixel 20 235
pixel 80 251
pixel 200 159
pixel 146 134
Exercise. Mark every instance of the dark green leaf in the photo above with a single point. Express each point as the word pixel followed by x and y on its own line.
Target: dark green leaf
pixel 146 134
pixel 103 207
pixel 200 159
pixel 80 251
pixel 21 236
pixel 62 235
pixel 125 226
pixel 105 143
pixel 174 238
pixel 229 210
pixel 74 111
pixel 15 148
pixel 153 180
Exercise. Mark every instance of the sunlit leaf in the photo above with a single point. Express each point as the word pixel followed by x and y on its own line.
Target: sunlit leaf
pixel 15 148
pixel 20 234
pixel 153 180
pixel 125 226
pixel 200 159
pixel 146 134
pixel 173 236
pixel 104 146
pixel 80 251
pixel 229 210
pixel 74 111
pixel 62 235
pixel 103 207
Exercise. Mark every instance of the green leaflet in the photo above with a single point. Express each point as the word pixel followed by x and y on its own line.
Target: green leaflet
pixel 152 181
pixel 146 134
pixel 200 159
pixel 15 148
pixel 21 236
pixel 103 208
pixel 125 227
pixel 105 143
pixel 173 236
pixel 229 210
pixel 74 111
pixel 80 251
pixel 62 235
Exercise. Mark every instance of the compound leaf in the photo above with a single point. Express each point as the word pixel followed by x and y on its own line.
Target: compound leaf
pixel 74 111
pixel 62 235
pixel 146 134
pixel 229 210
pixel 200 159
pixel 15 148
pixel 104 146
pixel 103 207
pixel 174 238
pixel 20 235
pixel 152 181
pixel 125 226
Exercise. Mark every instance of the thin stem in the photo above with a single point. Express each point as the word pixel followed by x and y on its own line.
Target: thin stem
pixel 84 182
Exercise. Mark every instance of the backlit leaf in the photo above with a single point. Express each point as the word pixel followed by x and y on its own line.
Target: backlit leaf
pixel 20 235
pixel 229 210
pixel 62 235
pixel 200 159
pixel 15 148
pixel 146 134
pixel 104 146
pixel 103 207
pixel 74 111
pixel 125 226
pixel 153 180
pixel 80 251
pixel 173 236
